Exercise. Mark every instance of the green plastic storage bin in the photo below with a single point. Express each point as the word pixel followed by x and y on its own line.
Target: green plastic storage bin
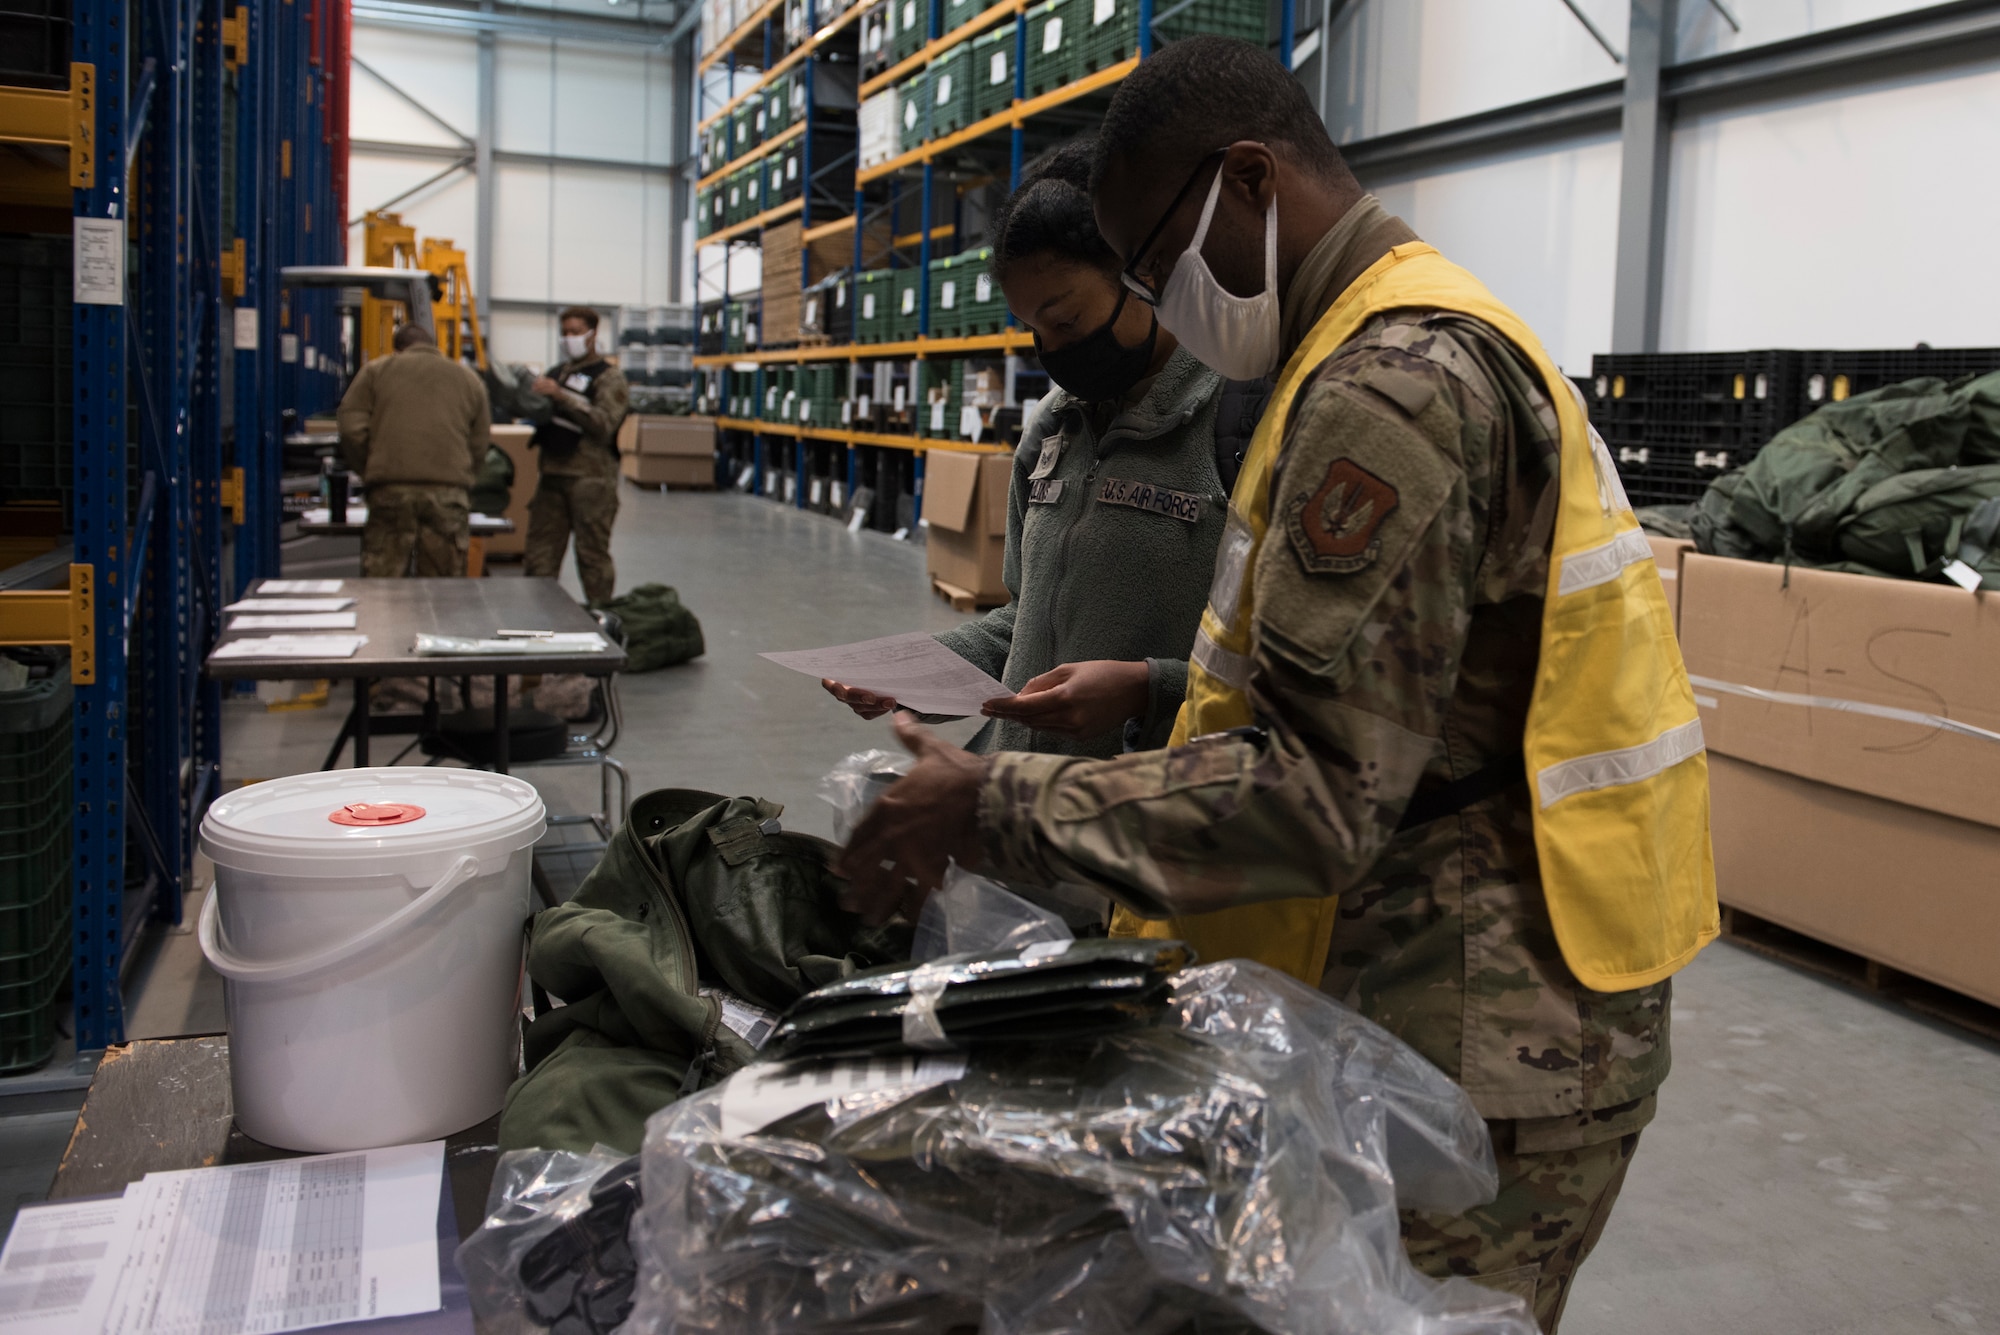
pixel 1055 44
pixel 913 107
pixel 822 385
pixel 34 867
pixel 905 317
pixel 874 295
pixel 951 86
pixel 993 70
pixel 745 123
pixel 909 28
pixel 941 393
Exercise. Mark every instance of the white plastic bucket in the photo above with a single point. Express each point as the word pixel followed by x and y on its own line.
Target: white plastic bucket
pixel 371 956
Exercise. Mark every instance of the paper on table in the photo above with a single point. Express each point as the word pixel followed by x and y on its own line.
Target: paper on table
pixel 255 1249
pixel 53 1256
pixel 290 605
pixel 299 586
pixel 568 642
pixel 356 514
pixel 292 646
pixel 914 669
pixel 295 621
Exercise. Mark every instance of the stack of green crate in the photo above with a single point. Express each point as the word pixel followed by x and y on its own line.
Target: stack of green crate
pixel 744 121
pixel 951 289
pixel 746 192
pixel 906 315
pixel 715 146
pixel 993 71
pixel 913 104
pixel 958 13
pixel 1224 18
pixel 717 216
pixel 909 28
pixel 734 338
pixel 822 385
pixel 705 212
pixel 785 170
pixel 873 297
pixel 945 376
pixel 34 867
pixel 778 102
pixel 743 394
pixel 951 87
pixel 780 384
pixel 1057 34
pixel 982 306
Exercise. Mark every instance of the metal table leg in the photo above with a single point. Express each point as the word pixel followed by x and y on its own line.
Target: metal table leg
pixel 500 738
pixel 361 689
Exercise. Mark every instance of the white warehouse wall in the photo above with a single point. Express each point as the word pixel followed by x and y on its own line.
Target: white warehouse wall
pixel 562 233
pixel 1809 222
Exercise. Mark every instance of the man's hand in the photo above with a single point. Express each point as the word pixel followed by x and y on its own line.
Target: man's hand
pixel 1078 699
pixel 545 386
pixel 899 852
pixel 865 703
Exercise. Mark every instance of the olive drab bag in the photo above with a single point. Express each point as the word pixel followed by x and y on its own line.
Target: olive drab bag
pixel 1864 484
pixel 659 630
pixel 702 922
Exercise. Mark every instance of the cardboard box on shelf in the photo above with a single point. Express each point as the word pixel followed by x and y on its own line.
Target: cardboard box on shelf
pixel 965 512
pixel 669 470
pixel 1881 686
pixel 513 441
pixel 659 434
pixel 1897 884
pixel 1667 554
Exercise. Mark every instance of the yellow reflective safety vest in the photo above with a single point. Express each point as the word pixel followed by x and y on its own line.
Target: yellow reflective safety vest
pixel 1616 769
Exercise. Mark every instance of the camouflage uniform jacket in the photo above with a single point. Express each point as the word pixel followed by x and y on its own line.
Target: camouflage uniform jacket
pixel 1372 684
pixel 598 413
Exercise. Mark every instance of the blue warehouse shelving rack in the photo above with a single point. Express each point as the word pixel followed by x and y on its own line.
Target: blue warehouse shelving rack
pixel 903 206
pixel 160 176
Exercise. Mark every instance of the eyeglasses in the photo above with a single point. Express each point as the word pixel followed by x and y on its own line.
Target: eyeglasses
pixel 1129 276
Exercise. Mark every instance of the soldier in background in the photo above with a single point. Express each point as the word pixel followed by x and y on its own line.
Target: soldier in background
pixel 578 493
pixel 414 426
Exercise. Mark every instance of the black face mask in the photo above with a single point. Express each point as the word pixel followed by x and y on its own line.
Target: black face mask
pixel 1097 368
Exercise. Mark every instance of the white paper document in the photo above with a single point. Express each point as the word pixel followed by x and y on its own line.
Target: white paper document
pixel 248 1249
pixel 293 621
pixel 52 1257
pixel 292 646
pixel 568 642
pixel 271 586
pixel 356 514
pixel 914 670
pixel 290 605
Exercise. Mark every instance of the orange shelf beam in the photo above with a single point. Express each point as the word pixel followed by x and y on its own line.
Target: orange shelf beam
pixel 1000 120
pixel 915 444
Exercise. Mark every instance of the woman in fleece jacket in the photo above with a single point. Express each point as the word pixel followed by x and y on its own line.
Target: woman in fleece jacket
pixel 1118 494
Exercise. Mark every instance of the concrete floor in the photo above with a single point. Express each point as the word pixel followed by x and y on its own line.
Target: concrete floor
pixel 1822 1163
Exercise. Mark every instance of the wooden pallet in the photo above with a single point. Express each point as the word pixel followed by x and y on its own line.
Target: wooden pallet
pixel 964 600
pixel 1890 984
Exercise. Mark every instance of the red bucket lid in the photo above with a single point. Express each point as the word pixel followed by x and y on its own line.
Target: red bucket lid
pixel 376 814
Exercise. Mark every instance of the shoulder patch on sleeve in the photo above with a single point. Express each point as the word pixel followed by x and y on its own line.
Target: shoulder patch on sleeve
pixel 1399 387
pixel 1337 529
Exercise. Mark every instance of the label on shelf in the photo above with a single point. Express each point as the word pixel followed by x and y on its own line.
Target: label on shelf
pixel 805 410
pixel 837 494
pixel 791 167
pixel 863 406
pixel 1052 35
pixel 982 288
pixel 937 415
pixel 909 115
pixel 288 347
pixel 896 398
pixel 909 15
pixel 969 423
pixel 867 305
pixel 909 301
pixel 944 89
pixel 948 294
pixel 997 71
pixel 1102 11
pixel 813 492
pixel 99 267
pixel 246 328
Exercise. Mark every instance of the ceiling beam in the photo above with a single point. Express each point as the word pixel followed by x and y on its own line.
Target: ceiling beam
pixel 446 153
pixel 545 24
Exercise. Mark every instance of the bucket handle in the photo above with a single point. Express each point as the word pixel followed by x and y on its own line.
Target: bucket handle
pixel 237 969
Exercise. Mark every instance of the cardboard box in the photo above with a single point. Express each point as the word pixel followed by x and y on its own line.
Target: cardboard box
pixel 685 437
pixel 965 509
pixel 513 440
pixel 1903 886
pixel 668 470
pixel 1667 554
pixel 1858 681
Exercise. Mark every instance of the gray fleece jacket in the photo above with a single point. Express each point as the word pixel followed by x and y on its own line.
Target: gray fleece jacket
pixel 1111 541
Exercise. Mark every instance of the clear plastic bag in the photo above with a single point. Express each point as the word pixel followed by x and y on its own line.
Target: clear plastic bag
pixel 554 1251
pixel 852 786
pixel 972 915
pixel 1226 1170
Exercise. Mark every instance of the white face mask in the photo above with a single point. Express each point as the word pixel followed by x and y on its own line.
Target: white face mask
pixel 575 345
pixel 1236 336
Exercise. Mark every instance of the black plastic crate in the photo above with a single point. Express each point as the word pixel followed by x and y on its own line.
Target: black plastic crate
pixel 35 43
pixel 1669 476
pixel 1830 376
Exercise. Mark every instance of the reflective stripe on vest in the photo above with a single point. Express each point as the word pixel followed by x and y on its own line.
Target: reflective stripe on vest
pixel 1613 745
